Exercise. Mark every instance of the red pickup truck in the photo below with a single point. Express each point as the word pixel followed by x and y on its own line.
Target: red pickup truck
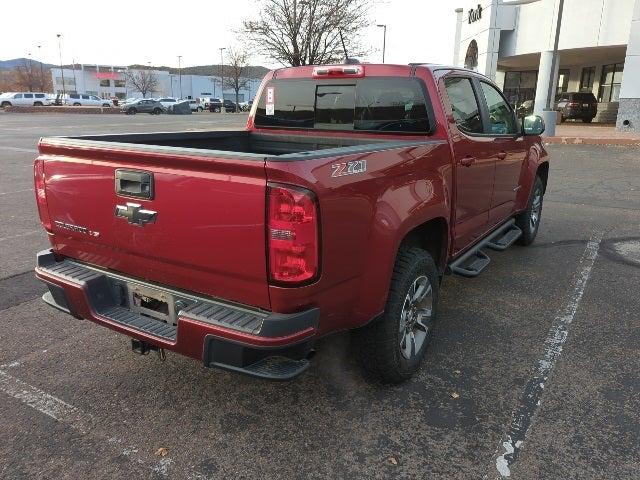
pixel 351 192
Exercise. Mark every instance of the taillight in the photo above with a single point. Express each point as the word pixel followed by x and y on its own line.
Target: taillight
pixel 41 195
pixel 292 234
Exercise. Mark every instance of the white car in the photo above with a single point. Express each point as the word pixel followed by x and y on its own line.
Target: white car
pixel 24 99
pixel 196 106
pixel 86 100
pixel 167 101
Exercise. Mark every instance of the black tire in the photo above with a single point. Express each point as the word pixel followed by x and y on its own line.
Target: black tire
pixel 77 104
pixel 106 105
pixel 131 111
pixel 5 104
pixel 562 119
pixel 379 345
pixel 525 220
pixel 157 111
pixel 200 109
pixel 37 104
pixel 587 120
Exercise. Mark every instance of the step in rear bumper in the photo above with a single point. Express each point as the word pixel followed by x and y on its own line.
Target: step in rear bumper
pixel 249 334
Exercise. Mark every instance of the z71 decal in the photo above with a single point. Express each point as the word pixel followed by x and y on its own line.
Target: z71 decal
pixel 348 168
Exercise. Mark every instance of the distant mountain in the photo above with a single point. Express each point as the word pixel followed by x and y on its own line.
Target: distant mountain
pixel 18 62
pixel 253 71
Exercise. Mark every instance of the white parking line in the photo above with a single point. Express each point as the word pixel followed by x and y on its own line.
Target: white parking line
pixel 17 191
pixel 75 418
pixel 508 451
pixel 27 234
pixel 43 402
pixel 19 149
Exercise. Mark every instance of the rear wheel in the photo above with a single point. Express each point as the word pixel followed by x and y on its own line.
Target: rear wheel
pixel 37 104
pixel 5 104
pixel 392 348
pixel 529 220
pixel 200 109
pixel 106 105
pixel 131 111
pixel 76 104
pixel 157 111
pixel 587 120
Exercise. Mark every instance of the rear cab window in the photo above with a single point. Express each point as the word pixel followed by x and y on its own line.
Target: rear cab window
pixel 380 104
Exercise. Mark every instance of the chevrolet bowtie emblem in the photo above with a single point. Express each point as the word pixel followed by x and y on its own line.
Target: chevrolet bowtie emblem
pixel 135 214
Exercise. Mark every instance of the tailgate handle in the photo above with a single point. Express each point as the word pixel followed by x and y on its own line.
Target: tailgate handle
pixel 133 183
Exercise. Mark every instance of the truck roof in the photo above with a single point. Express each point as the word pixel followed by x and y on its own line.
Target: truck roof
pixel 368 69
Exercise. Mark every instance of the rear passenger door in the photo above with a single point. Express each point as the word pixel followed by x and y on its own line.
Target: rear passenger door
pixel 509 149
pixel 474 160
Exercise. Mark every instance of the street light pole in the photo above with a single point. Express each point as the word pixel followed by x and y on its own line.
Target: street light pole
pixel 384 40
pixel 222 49
pixel 41 70
pixel 180 72
pixel 64 92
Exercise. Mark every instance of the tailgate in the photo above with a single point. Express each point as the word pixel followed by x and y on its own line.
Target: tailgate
pixel 208 231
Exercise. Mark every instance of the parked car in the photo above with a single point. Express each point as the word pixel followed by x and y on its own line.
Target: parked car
pixel 167 101
pixel 341 207
pixel 215 105
pixel 24 99
pixel 87 100
pixel 143 105
pixel 577 105
pixel 245 106
pixel 195 106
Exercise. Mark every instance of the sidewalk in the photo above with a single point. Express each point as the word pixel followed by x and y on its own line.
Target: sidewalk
pixel 570 133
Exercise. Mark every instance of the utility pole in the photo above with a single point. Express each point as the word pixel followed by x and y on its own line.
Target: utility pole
pixel 222 49
pixel 64 92
pixel 41 70
pixel 180 72
pixel 30 73
pixel 384 40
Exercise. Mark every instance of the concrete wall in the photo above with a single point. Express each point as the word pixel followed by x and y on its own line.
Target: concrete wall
pixel 585 23
pixel 629 113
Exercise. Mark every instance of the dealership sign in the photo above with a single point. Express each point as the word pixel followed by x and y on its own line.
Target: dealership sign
pixel 475 14
pixel 105 75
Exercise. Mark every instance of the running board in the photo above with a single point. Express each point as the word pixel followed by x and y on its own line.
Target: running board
pixel 471 263
pixel 507 239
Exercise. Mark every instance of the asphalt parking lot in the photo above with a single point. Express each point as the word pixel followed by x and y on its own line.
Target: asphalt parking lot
pixel 539 354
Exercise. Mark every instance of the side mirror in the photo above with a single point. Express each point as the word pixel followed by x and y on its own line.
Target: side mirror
pixel 532 125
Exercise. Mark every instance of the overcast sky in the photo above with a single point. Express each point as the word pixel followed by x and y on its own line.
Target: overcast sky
pixel 141 31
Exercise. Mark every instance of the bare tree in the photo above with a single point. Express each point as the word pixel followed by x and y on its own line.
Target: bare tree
pixel 25 77
pixel 307 32
pixel 237 71
pixel 144 81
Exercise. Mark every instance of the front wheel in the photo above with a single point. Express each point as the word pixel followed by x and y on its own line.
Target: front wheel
pixel 76 104
pixel 106 105
pixel 529 220
pixel 587 120
pixel 392 348
pixel 132 111
pixel 157 111
pixel 5 104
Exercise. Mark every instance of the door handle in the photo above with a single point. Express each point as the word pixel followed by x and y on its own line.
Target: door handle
pixel 467 161
pixel 502 155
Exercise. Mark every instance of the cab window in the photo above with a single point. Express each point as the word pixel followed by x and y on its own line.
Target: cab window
pixel 501 118
pixel 464 104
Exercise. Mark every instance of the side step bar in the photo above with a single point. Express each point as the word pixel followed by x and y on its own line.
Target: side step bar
pixel 474 261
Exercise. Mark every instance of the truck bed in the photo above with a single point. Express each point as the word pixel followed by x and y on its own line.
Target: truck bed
pixel 235 144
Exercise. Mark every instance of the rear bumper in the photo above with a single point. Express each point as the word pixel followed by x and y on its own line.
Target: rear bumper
pixel 221 334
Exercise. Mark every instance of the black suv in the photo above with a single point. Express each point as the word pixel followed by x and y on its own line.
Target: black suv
pixel 578 105
pixel 215 105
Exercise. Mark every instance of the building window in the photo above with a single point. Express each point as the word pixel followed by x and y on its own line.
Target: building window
pixel 610 82
pixel 105 82
pixel 120 83
pixel 563 80
pixel 67 81
pixel 586 80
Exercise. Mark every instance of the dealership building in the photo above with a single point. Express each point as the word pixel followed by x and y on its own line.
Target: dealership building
pixel 513 42
pixel 109 81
